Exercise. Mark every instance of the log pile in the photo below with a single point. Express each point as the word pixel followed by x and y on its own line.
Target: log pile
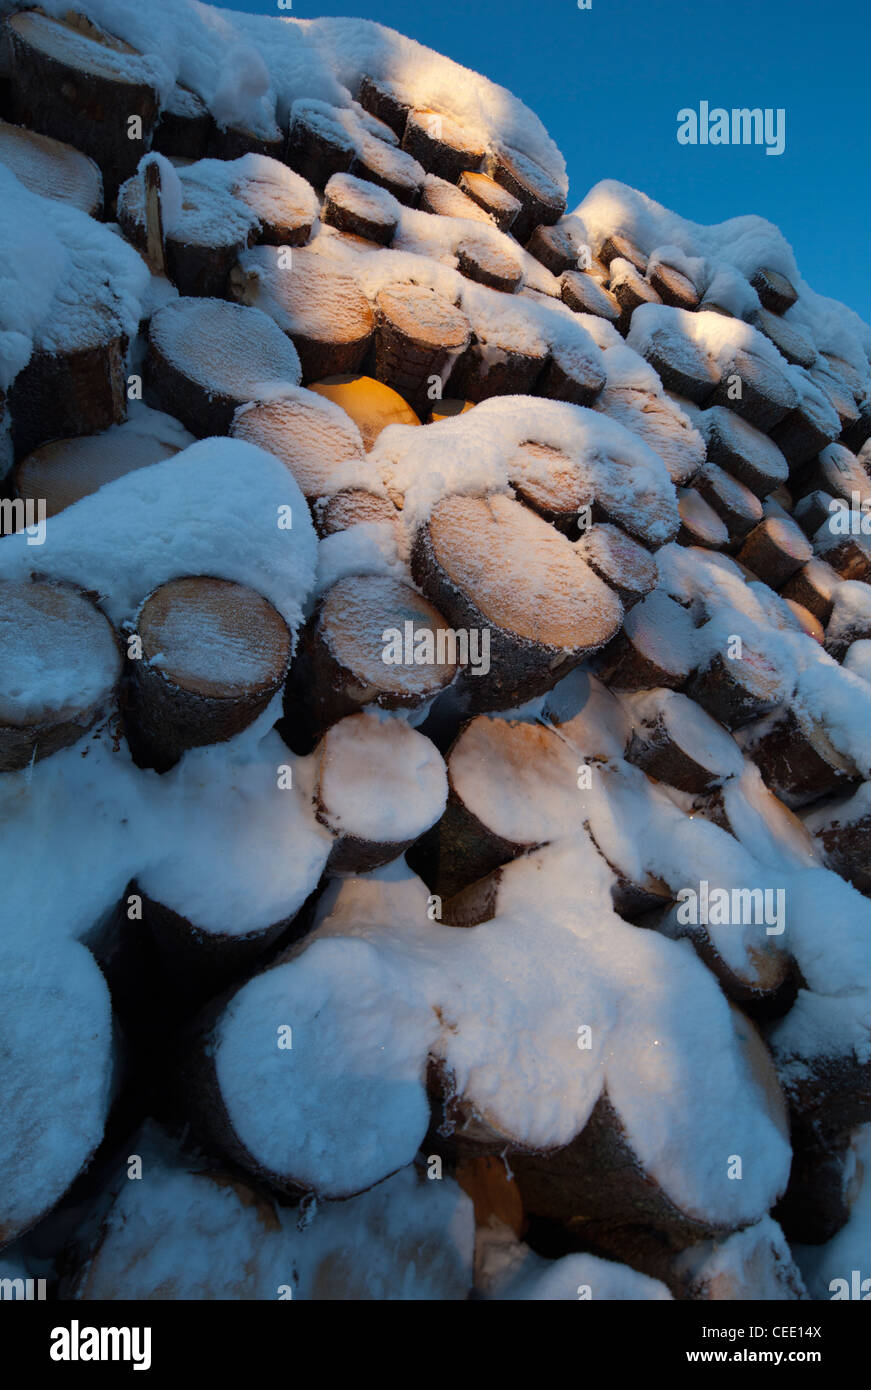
pixel 538 613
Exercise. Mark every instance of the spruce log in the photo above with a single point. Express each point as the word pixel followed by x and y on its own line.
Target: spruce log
pixel 353 507
pixel 673 287
pixel 662 424
pixel 283 204
pixel 59 667
pixel 394 170
pixel 700 524
pixel 207 357
pixel 791 342
pixel 629 288
pixel 572 376
pixel 738 507
pixel 551 483
pixel 814 587
pixel 503 364
pixel 76 388
pixel 186 128
pixel 501 205
pixel 324 312
pixel 554 247
pixel 755 389
pixel 492 566
pixel 813 510
pixel 808 428
pixel 618 247
pixel 202 245
pixel 849 556
pixel 77 83
pixel 418 334
pixel 838 472
pixel 441 144
pixel 684 366
pixel 759 977
pixel 371 640
pixel 843 832
pixel 213 655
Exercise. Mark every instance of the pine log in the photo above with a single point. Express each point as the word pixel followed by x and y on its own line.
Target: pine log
pixel 480 260
pixel 213 655
pixel 318 146
pixel 322 450
pixel 354 206
pixel 700 524
pixel 673 287
pixel 324 312
pixel 66 470
pixel 441 144
pixel 349 655
pixel 380 786
pixel 394 170
pixel 488 563
pixel 774 550
pixel 382 101
pixel 655 648
pixel 418 334
pixel 444 199
pixel 774 290
pixel 202 246
pixel 623 564
pixel 540 197
pixel 585 295
pixel 737 690
pixel 52 168
pixel 77 83
pixel 501 205
pixel 60 664
pixel 371 405
pixel 207 357
pixel 798 760
pixel 675 741
pixel 744 451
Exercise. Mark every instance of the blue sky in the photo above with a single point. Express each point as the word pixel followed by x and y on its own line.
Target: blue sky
pixel 608 83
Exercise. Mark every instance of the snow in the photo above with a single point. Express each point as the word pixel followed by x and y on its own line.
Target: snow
pixel 509 1270
pixel 186 1232
pixel 227 349
pixel 755 1263
pixel 700 736
pixel 847 1251
pixel 380 780
pixel 58 656
pixel 211 509
pixel 55 1098
pixel 67 281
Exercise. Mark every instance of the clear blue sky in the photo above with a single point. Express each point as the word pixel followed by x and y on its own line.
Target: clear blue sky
pixel 608 83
